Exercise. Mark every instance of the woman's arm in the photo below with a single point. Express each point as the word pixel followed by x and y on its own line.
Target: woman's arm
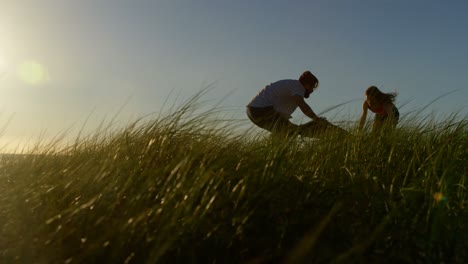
pixel 363 116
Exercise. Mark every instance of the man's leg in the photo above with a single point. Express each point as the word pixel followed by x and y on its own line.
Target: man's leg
pixel 268 119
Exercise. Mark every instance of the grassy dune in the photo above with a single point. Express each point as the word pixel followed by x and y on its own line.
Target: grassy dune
pixel 180 188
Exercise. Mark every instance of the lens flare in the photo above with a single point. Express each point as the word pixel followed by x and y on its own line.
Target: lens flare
pixel 33 73
pixel 439 197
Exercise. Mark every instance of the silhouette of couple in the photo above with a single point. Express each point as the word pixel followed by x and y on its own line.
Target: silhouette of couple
pixel 272 107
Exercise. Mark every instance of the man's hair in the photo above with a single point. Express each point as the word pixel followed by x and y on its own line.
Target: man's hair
pixel 308 78
pixel 380 96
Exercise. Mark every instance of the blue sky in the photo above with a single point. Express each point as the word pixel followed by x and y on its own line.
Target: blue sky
pixel 63 61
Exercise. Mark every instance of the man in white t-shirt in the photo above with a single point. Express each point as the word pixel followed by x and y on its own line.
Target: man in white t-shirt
pixel 272 107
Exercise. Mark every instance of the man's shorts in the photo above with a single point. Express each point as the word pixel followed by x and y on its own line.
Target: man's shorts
pixel 268 118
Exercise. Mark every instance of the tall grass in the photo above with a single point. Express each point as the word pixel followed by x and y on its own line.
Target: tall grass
pixel 183 188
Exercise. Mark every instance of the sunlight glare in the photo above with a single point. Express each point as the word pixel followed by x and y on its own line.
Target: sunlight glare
pixel 33 73
pixel 3 65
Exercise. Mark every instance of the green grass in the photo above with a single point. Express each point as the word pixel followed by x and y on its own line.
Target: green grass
pixel 185 188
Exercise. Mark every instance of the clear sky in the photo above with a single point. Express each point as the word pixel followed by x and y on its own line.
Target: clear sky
pixel 63 61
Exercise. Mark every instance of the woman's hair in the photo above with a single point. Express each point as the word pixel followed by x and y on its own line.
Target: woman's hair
pixel 308 78
pixel 381 97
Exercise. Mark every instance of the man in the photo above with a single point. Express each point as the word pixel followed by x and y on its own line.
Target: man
pixel 272 107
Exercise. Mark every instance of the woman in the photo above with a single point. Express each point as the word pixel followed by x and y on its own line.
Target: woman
pixel 382 105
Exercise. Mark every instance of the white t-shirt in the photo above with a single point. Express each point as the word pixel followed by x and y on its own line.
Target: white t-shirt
pixel 279 95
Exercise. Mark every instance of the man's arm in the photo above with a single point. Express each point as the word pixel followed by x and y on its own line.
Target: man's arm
pixel 305 108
